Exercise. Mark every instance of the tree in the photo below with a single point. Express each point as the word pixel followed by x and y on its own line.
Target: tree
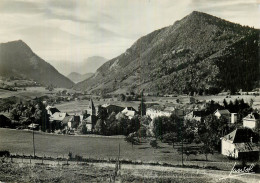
pixel 251 102
pixel 131 139
pixel 225 103
pixel 15 114
pixel 154 143
pixel 121 97
pixel 100 127
pixel 170 137
pixel 84 129
pixel 102 113
pixel 133 124
pixel 142 131
pixel 206 149
pixel 142 108
pixel 188 151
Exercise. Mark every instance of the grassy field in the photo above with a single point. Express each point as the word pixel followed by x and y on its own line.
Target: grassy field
pixel 20 141
pixel 48 172
pixel 79 106
pixel 29 93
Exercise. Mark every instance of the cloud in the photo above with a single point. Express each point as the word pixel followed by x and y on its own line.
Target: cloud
pixel 76 29
pixel 52 15
pixel 64 4
pixel 22 7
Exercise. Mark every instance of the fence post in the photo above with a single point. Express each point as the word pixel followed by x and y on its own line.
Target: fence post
pixel 30 159
pixel 22 158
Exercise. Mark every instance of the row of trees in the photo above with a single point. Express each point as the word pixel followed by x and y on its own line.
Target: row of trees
pixel 206 134
pixel 31 112
pixel 120 124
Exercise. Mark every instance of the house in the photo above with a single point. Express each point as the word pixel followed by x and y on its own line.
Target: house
pixel 194 115
pixel 51 110
pixel 233 118
pixel 66 122
pixel 58 116
pixel 74 121
pixel 224 113
pixel 154 113
pixel 240 144
pixel 252 120
pixel 113 108
pixel 56 120
pixel 179 112
pixel 129 112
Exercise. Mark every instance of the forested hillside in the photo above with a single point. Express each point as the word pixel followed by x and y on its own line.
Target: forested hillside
pixel 200 53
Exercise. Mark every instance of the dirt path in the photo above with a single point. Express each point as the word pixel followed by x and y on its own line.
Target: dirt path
pixel 148 171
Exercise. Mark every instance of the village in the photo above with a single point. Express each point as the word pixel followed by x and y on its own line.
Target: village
pixel 231 129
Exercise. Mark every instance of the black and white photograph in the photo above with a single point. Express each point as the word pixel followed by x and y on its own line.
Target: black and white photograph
pixel 130 91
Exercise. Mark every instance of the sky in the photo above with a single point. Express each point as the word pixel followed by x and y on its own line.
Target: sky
pixel 72 30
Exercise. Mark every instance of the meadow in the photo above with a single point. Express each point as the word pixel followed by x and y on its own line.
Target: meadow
pixel 20 142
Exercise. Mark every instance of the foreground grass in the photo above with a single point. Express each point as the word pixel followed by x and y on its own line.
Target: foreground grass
pixel 24 172
pixel 20 142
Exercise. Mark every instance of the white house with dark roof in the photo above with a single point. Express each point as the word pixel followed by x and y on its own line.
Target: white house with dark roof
pixel 240 143
pixel 154 113
pixel 51 110
pixel 252 120
pixel 58 116
pixel 225 113
pixel 129 112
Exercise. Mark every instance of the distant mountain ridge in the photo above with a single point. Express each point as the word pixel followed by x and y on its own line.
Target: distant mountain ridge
pixel 88 65
pixel 199 53
pixel 18 59
pixel 77 77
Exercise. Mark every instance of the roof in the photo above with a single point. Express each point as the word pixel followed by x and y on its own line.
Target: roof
pixel 58 116
pixel 52 109
pixel 129 113
pixel 246 147
pixel 253 116
pixel 130 109
pixel 223 112
pixel 66 119
pixel 3 117
pixel 241 135
pixel 170 109
pixel 198 113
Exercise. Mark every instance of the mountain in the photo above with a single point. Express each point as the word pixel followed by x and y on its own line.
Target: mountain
pixel 200 53
pixel 76 77
pixel 88 65
pixel 17 59
pixel 91 64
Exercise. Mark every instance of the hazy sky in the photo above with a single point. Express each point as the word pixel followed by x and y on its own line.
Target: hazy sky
pixel 76 29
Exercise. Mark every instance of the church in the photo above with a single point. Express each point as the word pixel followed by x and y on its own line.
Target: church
pixel 90 119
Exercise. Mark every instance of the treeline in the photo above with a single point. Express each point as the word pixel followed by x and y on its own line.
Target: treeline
pixel 239 65
pixel 120 124
pixel 206 133
pixel 23 114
